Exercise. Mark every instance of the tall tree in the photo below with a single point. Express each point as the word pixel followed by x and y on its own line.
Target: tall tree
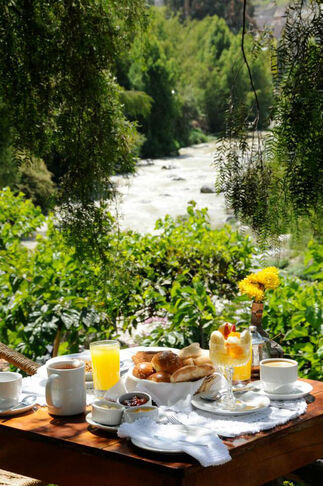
pixel 278 188
pixel 56 62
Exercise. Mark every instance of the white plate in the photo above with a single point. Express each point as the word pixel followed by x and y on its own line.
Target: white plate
pixel 302 389
pixel 21 407
pixel 110 428
pixel 145 445
pixel 258 401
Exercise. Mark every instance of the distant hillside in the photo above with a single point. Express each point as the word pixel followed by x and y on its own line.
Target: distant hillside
pixel 269 13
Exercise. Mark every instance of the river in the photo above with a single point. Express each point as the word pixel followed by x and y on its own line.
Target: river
pixel 165 186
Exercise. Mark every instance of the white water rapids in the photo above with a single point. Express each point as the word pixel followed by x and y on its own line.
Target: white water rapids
pixel 165 186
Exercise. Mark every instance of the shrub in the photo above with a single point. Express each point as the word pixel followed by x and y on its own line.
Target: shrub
pixel 49 295
pixel 186 273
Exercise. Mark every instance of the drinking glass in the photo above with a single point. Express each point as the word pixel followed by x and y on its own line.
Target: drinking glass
pixel 242 374
pixel 106 365
pixel 226 357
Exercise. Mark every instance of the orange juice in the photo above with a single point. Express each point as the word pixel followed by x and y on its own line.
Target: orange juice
pixel 243 373
pixel 105 364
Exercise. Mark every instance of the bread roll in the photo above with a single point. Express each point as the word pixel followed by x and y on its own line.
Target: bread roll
pixel 191 373
pixel 143 370
pixel 166 361
pixel 143 356
pixel 160 376
pixel 201 360
pixel 191 351
pixel 188 361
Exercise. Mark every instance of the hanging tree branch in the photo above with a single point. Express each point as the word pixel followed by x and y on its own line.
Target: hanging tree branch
pixel 247 64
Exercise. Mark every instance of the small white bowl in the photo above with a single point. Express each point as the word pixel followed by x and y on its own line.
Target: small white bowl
pixel 134 413
pixel 106 412
pixel 128 396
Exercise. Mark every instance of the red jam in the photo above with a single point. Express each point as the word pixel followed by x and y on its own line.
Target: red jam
pixel 134 401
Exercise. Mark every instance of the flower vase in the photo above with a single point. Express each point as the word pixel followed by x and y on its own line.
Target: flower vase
pixel 262 346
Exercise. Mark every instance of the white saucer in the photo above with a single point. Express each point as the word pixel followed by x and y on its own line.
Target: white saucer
pixel 110 428
pixel 302 389
pixel 21 407
pixel 251 402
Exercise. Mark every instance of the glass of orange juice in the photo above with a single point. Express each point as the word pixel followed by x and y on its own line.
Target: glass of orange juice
pixel 105 364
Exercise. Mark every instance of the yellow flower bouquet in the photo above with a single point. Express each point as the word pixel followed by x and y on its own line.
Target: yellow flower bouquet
pixel 256 284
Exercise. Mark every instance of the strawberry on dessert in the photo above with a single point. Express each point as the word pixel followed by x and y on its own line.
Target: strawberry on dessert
pixel 226 329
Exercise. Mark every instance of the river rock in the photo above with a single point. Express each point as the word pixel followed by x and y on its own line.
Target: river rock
pixel 168 167
pixel 145 163
pixel 208 189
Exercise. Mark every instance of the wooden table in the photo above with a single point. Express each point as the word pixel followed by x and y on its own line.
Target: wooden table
pixel 65 452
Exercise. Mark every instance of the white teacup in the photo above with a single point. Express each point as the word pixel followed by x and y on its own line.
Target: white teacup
pixel 10 389
pixel 65 387
pixel 278 375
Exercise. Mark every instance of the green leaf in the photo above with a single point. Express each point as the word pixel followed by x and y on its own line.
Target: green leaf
pixel 296 333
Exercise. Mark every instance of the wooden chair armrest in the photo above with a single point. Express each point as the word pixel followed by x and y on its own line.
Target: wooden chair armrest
pixel 18 360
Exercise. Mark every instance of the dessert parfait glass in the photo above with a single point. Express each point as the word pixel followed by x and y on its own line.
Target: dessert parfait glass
pixel 228 352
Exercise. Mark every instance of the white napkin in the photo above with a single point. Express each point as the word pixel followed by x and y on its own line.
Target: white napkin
pixel 200 443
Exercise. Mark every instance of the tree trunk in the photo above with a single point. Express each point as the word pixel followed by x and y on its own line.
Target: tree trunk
pixel 187 8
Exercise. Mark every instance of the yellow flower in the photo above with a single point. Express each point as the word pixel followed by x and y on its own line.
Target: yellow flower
pixel 268 277
pixel 253 290
pixel 256 283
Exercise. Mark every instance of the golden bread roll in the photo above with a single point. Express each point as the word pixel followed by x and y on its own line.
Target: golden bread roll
pixel 166 361
pixel 143 370
pixel 160 376
pixel 201 360
pixel 143 356
pixel 188 361
pixel 191 373
pixel 191 351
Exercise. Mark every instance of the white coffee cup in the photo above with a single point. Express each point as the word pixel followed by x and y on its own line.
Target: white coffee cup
pixel 278 375
pixel 10 389
pixel 65 387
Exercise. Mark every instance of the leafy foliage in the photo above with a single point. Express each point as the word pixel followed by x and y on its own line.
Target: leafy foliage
pixel 56 62
pixel 275 185
pixel 154 74
pixel 186 274
pixel 292 316
pixel 188 69
pixel 49 292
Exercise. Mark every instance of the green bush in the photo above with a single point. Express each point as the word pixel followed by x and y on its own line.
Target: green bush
pixel 294 315
pixel 35 181
pixel 48 294
pixel 186 274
